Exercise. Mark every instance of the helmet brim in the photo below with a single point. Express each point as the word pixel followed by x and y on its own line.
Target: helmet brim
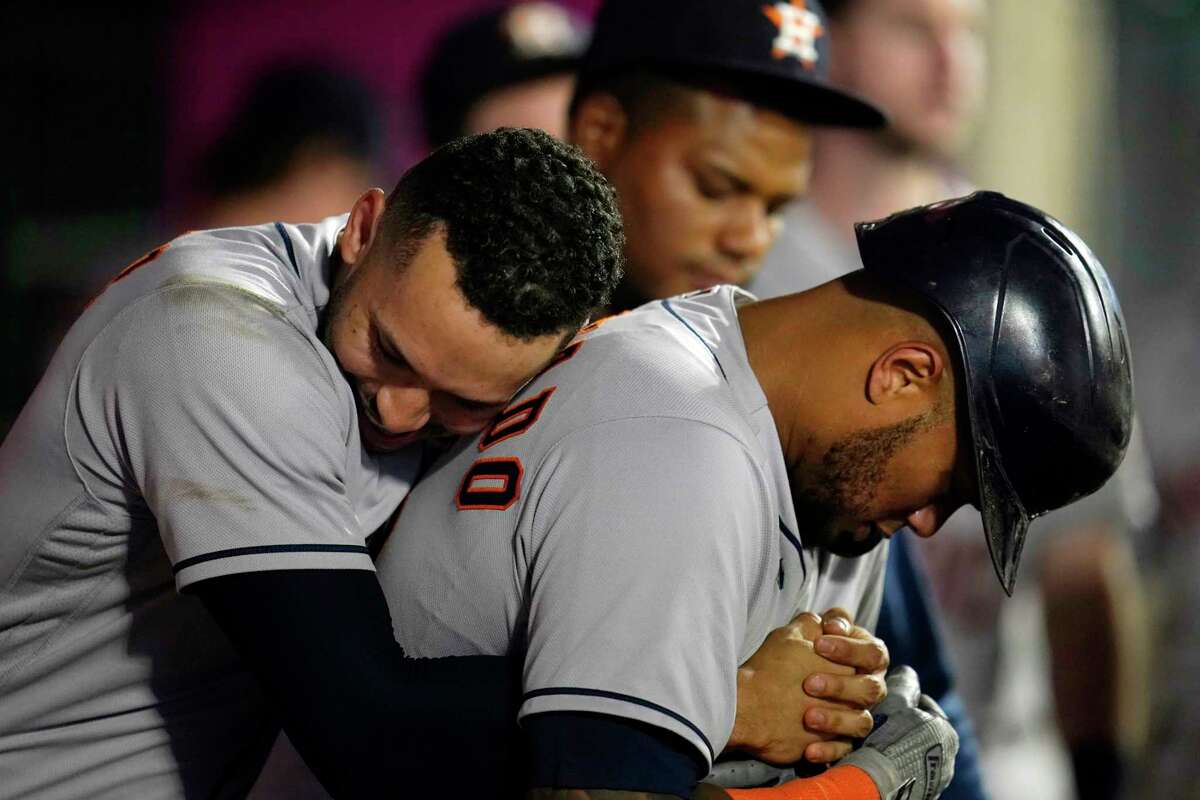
pixel 1005 520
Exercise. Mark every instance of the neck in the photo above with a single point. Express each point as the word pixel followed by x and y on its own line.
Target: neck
pixel 863 176
pixel 790 349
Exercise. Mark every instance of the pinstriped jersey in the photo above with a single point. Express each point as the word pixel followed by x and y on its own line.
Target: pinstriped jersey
pixel 627 524
pixel 192 424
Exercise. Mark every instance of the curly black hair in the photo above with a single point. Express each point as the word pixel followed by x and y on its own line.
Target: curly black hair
pixel 533 227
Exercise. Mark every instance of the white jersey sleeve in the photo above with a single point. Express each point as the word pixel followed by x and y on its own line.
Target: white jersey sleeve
pixel 231 429
pixel 647 537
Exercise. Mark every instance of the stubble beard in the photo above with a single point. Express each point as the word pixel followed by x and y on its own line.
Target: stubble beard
pixel 839 493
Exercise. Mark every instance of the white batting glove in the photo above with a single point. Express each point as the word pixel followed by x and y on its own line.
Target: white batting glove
pixel 911 755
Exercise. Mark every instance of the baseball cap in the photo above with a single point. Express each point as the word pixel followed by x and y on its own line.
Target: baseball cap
pixel 491 50
pixel 774 53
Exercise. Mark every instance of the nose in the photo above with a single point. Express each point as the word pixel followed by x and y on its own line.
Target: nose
pixel 402 409
pixel 749 232
pixel 925 521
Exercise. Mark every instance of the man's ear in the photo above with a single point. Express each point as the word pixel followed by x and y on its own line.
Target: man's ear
pixel 904 371
pixel 361 228
pixel 599 127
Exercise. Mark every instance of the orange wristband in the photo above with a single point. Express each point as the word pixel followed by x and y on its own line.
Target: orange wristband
pixel 839 783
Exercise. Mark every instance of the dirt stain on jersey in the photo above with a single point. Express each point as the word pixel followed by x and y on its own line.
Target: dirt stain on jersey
pixel 183 490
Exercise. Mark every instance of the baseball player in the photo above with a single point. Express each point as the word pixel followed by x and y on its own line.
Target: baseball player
pixel 187 495
pixel 700 114
pixel 686 477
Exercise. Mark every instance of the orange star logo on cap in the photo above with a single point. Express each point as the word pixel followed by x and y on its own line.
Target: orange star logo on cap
pixel 799 29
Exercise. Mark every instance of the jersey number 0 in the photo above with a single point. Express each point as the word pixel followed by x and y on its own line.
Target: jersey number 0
pixel 495 483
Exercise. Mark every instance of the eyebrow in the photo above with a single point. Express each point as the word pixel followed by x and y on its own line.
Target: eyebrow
pixel 740 184
pixel 393 351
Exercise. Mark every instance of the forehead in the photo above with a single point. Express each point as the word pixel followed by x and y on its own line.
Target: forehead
pixel 765 147
pixel 421 310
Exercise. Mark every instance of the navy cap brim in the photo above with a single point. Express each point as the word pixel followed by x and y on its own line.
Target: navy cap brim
pixel 813 102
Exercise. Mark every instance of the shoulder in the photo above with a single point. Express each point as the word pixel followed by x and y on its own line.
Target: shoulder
pixel 209 343
pixel 191 314
pixel 644 364
pixel 259 261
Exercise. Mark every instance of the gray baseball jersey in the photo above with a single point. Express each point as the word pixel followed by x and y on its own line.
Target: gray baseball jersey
pixel 191 425
pixel 627 523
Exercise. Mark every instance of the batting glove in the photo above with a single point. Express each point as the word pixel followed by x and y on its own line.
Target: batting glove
pixel 910 754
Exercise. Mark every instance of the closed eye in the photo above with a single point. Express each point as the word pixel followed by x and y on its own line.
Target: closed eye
pixel 389 351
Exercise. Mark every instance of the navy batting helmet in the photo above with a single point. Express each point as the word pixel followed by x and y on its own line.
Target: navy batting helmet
pixel 1040 343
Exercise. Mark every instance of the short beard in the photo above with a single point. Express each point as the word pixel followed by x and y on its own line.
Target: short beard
pixel 845 484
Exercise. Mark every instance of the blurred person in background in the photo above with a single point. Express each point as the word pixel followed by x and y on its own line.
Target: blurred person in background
pixel 301 146
pixel 1171 768
pixel 923 61
pixel 510 66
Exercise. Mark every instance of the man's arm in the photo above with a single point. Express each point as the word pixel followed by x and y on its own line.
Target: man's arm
pixel 840 783
pixel 366 719
pixel 647 540
pixel 910 754
pixel 633 760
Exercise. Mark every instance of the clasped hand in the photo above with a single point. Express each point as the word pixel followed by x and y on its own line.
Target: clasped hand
pixel 807 691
